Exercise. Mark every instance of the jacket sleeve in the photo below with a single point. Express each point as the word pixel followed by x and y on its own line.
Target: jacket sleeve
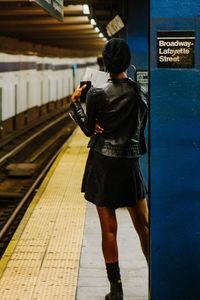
pixel 86 121
pixel 142 100
pixel 143 115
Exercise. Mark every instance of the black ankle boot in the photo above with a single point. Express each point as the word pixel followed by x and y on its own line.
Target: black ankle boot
pixel 116 291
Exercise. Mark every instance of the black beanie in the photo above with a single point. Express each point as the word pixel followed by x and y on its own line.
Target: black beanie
pixel 116 56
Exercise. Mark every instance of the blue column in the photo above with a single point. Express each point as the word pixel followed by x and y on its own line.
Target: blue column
pixel 137 31
pixel 175 159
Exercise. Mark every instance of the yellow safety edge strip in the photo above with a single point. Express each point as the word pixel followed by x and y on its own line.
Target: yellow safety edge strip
pixel 15 239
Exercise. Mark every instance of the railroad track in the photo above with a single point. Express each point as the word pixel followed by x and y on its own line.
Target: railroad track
pixel 23 164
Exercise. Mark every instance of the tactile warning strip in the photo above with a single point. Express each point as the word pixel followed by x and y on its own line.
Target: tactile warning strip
pixel 45 262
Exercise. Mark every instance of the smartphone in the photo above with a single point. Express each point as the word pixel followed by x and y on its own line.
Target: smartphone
pixel 84 92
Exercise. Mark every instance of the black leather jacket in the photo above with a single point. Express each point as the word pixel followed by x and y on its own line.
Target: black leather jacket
pixel 121 109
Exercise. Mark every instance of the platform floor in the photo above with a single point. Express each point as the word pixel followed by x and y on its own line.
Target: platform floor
pixel 56 251
pixel 92 282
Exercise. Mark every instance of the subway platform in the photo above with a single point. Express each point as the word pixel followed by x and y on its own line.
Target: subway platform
pixel 56 252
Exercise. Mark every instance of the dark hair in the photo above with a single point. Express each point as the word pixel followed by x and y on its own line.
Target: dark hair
pixel 116 55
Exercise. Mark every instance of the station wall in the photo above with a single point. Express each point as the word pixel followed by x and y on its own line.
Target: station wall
pixel 27 81
pixel 174 157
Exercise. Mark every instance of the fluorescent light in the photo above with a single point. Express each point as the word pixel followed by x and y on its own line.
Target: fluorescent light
pixel 93 22
pixel 86 9
pixel 101 35
pixel 96 29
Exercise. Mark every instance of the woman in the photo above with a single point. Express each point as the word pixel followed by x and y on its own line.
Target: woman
pixel 115 119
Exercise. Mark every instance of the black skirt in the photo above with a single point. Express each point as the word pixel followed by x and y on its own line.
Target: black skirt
pixel 112 182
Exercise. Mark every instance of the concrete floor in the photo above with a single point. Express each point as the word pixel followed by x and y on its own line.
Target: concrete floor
pixel 92 283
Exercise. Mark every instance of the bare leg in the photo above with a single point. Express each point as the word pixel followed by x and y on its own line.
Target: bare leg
pixel 108 223
pixel 140 217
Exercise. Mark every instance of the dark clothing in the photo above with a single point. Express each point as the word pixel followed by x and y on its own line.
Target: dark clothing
pixel 112 181
pixel 121 109
pixel 113 271
pixel 112 175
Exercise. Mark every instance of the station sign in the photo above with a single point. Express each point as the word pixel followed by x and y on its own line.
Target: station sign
pixel 53 7
pixel 176 49
pixel 142 77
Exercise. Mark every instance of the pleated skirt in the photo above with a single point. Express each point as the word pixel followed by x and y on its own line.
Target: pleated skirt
pixel 113 182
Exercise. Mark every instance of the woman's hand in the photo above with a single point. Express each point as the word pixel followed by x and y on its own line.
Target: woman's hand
pixel 98 129
pixel 77 93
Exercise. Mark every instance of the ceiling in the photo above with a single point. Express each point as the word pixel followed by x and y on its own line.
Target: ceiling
pixel 27 21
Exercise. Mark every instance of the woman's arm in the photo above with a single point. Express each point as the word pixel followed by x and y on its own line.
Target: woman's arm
pixel 87 122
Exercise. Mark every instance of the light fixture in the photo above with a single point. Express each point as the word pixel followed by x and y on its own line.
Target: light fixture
pixel 93 22
pixel 105 39
pixel 101 35
pixel 96 29
pixel 86 10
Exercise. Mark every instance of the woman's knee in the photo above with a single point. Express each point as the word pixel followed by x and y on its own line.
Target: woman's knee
pixel 109 229
pixel 145 227
pixel 143 222
pixel 108 221
pixel 139 215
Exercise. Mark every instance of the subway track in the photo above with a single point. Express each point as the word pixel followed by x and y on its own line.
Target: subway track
pixel 24 162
